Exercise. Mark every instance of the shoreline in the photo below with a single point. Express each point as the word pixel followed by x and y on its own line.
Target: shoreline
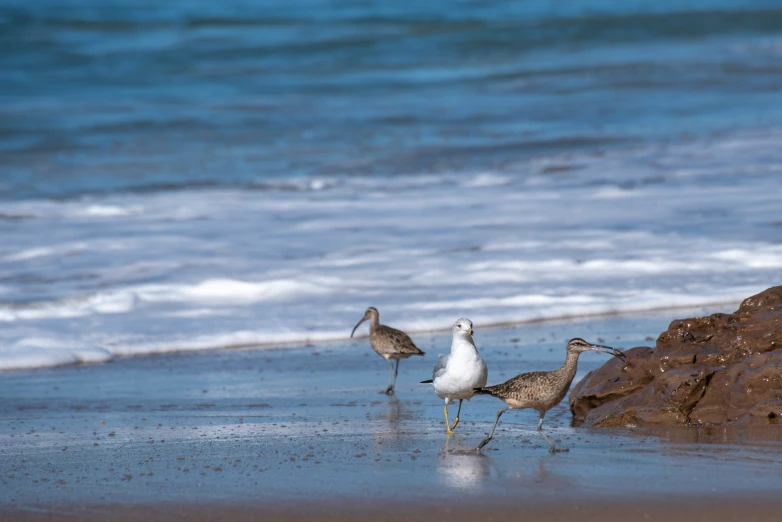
pixel 427 332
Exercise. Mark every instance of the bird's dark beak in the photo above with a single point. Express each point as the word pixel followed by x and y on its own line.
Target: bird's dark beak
pixel 358 324
pixel 607 349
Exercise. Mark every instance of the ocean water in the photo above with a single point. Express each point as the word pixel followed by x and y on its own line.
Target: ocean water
pixel 201 175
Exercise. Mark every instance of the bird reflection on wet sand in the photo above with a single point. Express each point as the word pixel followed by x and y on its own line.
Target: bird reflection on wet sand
pixel 394 411
pixel 461 467
pixel 394 419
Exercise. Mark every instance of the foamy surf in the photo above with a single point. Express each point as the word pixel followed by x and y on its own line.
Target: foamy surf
pixel 86 280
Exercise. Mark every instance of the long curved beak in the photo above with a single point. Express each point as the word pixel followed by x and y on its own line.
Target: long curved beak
pixel 607 349
pixel 357 325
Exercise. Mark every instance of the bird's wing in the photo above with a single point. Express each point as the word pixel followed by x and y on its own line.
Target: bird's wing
pixel 439 368
pixel 521 382
pixel 393 341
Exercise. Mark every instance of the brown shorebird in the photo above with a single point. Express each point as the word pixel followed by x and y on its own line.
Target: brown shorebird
pixel 389 343
pixel 541 391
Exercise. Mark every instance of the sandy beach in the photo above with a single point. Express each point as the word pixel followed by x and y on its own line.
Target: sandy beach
pixel 283 434
pixel 701 509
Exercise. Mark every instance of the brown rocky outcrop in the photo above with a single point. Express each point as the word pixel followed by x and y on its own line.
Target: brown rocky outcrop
pixel 725 369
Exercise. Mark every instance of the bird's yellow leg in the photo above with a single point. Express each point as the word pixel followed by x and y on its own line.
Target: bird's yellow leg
pixel 456 420
pixel 447 423
pixel 448 439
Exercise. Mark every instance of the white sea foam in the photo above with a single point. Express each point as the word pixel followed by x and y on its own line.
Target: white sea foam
pixel 36 352
pixel 230 291
pixel 100 303
pixel 48 251
pixel 30 253
pixel 107 211
pixel 227 292
pixel 487 179
pixel 665 226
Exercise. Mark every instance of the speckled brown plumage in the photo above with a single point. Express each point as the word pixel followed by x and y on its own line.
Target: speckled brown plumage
pixel 541 391
pixel 389 343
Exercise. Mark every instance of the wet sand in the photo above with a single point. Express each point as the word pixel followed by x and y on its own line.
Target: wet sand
pixel 298 432
pixel 701 509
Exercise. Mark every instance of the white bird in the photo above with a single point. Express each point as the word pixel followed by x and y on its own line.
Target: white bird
pixel 458 374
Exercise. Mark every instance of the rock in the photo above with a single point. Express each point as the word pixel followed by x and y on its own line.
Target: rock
pixel 725 369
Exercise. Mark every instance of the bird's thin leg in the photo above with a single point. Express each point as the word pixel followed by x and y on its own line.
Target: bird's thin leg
pixel 390 389
pixel 447 424
pixel 491 435
pixel 448 440
pixel 552 448
pixel 396 372
pixel 456 420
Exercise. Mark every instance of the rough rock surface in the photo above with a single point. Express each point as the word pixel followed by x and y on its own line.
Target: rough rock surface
pixel 725 369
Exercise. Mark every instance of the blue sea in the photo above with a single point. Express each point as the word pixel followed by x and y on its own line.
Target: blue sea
pixel 200 175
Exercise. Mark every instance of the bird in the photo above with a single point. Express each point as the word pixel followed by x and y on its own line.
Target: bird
pixel 459 373
pixel 541 391
pixel 389 343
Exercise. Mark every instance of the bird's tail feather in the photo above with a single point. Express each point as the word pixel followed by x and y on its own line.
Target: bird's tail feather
pixel 483 391
pixel 430 381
